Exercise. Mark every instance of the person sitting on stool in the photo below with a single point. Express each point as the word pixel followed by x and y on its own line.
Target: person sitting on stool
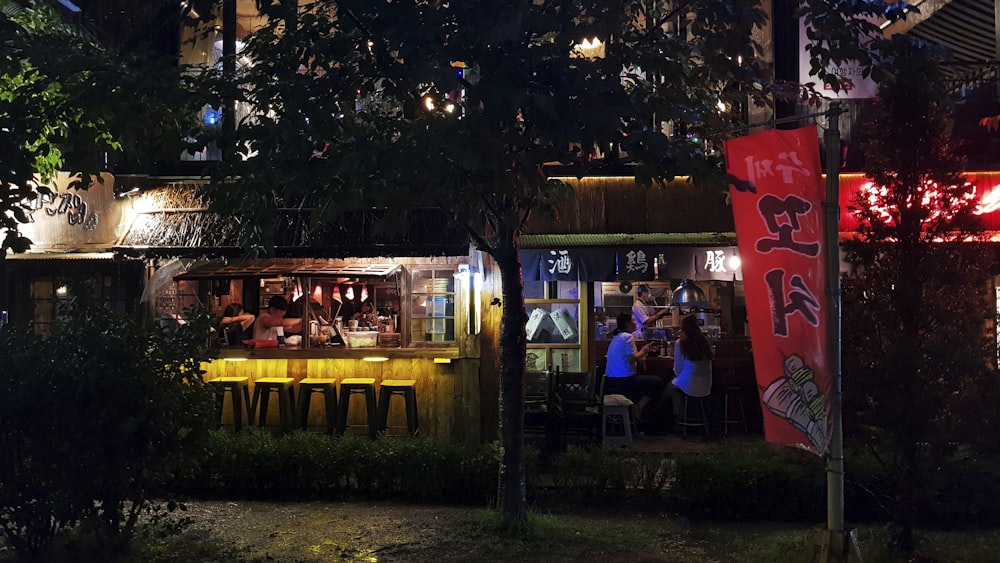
pixel 692 364
pixel 620 375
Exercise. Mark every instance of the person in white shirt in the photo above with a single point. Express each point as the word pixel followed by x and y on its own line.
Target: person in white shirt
pixel 692 363
pixel 272 318
pixel 643 314
pixel 620 373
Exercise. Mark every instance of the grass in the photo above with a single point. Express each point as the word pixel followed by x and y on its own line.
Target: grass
pixel 770 543
pixel 481 535
pixel 485 532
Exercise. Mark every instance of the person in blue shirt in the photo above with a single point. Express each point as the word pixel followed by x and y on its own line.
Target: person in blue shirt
pixel 620 375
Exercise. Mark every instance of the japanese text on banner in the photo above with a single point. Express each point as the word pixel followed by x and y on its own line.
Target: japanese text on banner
pixel 777 207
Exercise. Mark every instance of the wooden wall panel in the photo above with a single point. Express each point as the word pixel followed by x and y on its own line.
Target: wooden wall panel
pixel 619 205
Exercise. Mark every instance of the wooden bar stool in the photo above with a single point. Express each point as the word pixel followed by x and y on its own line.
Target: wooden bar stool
pixel 282 386
pixel 357 386
pixel 240 392
pixel 687 419
pixel 328 387
pixel 405 388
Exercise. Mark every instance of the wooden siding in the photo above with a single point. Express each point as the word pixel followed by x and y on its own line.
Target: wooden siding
pixel 619 205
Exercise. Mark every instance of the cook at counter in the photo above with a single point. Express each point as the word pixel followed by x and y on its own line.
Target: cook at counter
pixel 643 314
pixel 272 318
pixel 296 310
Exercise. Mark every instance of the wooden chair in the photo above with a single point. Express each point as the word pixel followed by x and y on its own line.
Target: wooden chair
pixel 539 421
pixel 578 403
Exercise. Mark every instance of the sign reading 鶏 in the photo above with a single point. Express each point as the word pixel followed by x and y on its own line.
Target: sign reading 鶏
pixel 779 230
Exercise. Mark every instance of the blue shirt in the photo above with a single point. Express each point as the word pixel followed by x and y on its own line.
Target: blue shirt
pixel 621 356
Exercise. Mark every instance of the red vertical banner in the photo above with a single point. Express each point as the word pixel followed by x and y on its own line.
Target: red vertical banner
pixel 777 206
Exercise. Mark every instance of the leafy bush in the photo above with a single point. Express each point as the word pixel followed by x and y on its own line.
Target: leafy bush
pixel 92 418
pixel 259 464
pixel 757 484
pixel 593 471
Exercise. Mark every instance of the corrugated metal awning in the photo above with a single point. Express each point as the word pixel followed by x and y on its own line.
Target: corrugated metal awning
pixel 288 267
pixel 106 256
pixel 627 239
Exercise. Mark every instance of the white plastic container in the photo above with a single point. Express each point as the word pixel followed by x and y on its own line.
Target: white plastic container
pixel 361 339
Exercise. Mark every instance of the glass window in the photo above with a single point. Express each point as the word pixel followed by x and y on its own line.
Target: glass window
pixel 432 305
pixel 554 328
pixel 534 290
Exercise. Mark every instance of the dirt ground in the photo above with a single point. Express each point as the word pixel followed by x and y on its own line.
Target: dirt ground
pixel 308 532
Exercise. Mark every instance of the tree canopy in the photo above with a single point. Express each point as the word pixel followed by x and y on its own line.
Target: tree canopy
pixel 69 104
pixel 469 107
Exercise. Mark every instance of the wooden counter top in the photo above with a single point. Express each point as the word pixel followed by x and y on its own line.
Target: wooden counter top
pixel 335 352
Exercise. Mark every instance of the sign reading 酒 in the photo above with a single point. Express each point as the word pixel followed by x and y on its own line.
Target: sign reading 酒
pixel 779 230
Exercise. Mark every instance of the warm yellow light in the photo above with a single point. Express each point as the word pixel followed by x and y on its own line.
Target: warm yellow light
pixel 449 107
pixel 235 359
pixel 429 103
pixel 590 48
pixel 375 359
pixel 442 360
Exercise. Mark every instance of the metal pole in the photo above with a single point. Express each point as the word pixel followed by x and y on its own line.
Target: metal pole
pixel 835 460
pixel 837 544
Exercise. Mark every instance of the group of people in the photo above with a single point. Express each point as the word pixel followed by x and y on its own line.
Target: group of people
pixel 692 367
pixel 281 316
pixel 238 325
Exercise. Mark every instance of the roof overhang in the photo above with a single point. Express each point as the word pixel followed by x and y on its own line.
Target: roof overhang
pixel 274 268
pixel 626 239
pixel 61 256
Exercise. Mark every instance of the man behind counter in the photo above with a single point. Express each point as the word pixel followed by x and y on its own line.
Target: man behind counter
pixel 642 313
pixel 296 311
pixel 273 317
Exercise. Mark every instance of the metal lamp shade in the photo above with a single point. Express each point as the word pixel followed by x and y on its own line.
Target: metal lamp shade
pixel 689 294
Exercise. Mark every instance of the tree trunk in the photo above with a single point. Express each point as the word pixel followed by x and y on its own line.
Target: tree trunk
pixel 512 494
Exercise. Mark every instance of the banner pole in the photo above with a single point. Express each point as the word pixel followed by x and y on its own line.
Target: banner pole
pixel 835 544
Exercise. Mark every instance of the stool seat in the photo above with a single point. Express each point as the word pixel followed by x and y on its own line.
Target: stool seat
pixel 357 386
pixel 262 393
pixel 326 386
pixel 405 388
pixel 240 393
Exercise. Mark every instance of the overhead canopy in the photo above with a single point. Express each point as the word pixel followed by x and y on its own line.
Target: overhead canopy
pixel 287 267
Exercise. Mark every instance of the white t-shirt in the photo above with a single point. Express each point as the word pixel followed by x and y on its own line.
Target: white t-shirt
pixel 694 378
pixel 260 332
pixel 621 349
pixel 640 312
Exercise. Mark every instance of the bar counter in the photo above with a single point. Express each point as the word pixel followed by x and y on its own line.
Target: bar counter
pixel 335 352
pixel 447 384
